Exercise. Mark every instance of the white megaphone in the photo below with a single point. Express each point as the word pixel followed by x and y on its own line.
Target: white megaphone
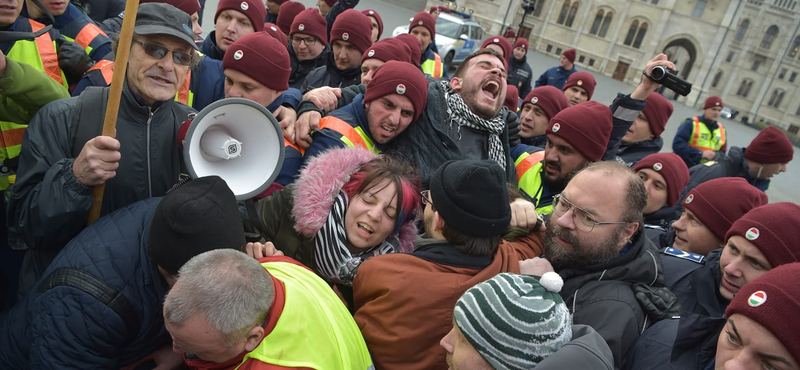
pixel 238 140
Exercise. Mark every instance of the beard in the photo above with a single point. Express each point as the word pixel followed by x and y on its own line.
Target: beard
pixel 583 254
pixel 560 183
pixel 470 96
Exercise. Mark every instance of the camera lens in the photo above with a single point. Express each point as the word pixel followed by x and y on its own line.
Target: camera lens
pixel 658 72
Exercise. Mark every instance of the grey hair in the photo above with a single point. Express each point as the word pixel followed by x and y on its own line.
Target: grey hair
pixel 636 194
pixel 232 290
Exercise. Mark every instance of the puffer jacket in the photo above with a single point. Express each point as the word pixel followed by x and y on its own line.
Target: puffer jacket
pixel 586 350
pixel 602 295
pixel 330 75
pixel 64 327
pixel 291 217
pixel 301 69
pixel 48 206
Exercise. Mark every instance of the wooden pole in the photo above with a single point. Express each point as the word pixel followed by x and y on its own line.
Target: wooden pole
pixel 115 94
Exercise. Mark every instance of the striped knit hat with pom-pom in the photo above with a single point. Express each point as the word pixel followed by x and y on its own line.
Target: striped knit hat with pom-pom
pixel 526 319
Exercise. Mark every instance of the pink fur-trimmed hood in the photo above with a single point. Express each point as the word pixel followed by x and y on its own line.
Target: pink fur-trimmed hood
pixel 320 182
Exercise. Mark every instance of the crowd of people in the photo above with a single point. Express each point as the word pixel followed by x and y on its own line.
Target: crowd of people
pixel 419 219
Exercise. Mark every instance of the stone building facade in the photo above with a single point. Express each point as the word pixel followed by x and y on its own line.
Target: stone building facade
pixel 746 51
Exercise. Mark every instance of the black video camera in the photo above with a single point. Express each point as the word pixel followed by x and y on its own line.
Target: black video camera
pixel 670 80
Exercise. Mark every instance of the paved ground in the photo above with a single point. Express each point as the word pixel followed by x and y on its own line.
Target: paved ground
pixel 784 187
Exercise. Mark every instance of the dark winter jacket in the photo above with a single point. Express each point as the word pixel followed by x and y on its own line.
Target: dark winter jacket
pixel 301 69
pixel 520 75
pixel 734 165
pixel 658 227
pixel 688 342
pixel 100 10
pixel 210 48
pixel 48 206
pixel 632 153
pixel 431 140
pixel 555 77
pixel 602 295
pixel 586 350
pixel 624 110
pixel 64 325
pixel 330 75
pixel 538 141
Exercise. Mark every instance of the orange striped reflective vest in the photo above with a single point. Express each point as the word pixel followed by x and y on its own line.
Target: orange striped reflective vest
pixel 433 67
pixel 41 54
pixel 349 135
pixel 85 33
pixel 703 139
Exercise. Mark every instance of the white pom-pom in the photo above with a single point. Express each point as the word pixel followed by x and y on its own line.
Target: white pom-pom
pixel 552 282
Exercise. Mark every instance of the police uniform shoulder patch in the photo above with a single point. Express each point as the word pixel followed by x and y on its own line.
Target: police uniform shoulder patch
pixel 694 257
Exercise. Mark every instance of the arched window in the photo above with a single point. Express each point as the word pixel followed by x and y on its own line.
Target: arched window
pixel 564 11
pixel 636 34
pixel 769 37
pixel 776 98
pixel 640 35
pixel 598 19
pixel 744 88
pixel 716 79
pixel 742 29
pixel 606 24
pixel 795 49
pixel 572 12
pixel 747 88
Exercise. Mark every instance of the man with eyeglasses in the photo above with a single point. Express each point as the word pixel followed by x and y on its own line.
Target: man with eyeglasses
pixel 594 240
pixel 63 155
pixel 308 45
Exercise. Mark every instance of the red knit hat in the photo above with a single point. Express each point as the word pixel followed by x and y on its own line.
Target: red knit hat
pixel 657 110
pixel 330 2
pixel 713 101
pixel 354 27
pixel 279 1
pixel 718 203
pixel 272 30
pixel 262 58
pixel 499 41
pixel 586 126
pixel 311 23
pixel 773 301
pixel 414 45
pixel 672 168
pixel 188 6
pixel 289 10
pixel 401 78
pixel 521 43
pixel 570 54
pixel 583 80
pixel 388 49
pixel 423 19
pixel 549 98
pixel 772 228
pixel 512 98
pixel 510 33
pixel 374 14
pixel 254 10
pixel 770 146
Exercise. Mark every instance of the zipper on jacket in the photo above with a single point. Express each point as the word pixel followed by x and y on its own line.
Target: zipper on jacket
pixel 149 174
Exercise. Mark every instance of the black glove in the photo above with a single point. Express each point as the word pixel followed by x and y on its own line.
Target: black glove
pixel 512 121
pixel 73 60
pixel 658 302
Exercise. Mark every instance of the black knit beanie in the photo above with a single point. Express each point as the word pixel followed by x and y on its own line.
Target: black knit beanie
pixel 471 196
pixel 194 218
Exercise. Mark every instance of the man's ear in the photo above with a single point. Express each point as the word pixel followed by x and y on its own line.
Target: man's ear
pixel 438 221
pixel 253 338
pixel 628 233
pixel 455 83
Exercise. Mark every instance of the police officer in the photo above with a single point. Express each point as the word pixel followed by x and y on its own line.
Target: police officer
pixel 700 138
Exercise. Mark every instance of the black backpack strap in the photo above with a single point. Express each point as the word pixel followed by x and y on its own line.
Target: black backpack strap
pixel 88 123
pixel 100 290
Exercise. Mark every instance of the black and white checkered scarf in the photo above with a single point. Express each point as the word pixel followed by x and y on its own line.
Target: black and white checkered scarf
pixel 461 115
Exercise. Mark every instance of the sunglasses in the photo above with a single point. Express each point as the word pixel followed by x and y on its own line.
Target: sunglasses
pixel 158 51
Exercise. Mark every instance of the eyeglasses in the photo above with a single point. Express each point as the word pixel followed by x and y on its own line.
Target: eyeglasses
pixel 426 197
pixel 158 51
pixel 310 41
pixel 583 220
